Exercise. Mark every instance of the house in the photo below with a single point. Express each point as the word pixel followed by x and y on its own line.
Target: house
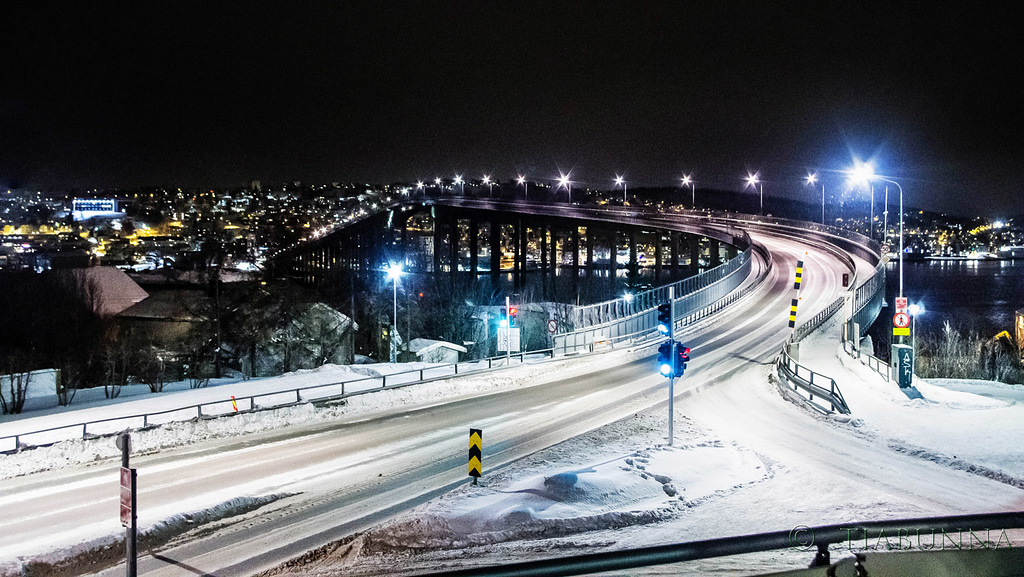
pixel 431 351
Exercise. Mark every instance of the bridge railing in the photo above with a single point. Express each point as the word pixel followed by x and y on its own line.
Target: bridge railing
pixel 604 325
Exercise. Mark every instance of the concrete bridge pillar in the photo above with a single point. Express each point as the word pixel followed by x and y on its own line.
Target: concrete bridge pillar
pixel 674 257
pixel 694 243
pixel 715 250
pixel 590 251
pixel 495 240
pixel 658 248
pixel 613 242
pixel 474 248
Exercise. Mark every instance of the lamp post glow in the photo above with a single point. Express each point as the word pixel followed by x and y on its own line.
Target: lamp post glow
pixel 811 179
pixel 462 185
pixel 754 181
pixel 490 185
pixel 563 181
pixel 866 172
pixel 440 189
pixel 914 310
pixel 620 182
pixel 687 181
pixel 394 272
pixel 522 180
pixel 419 186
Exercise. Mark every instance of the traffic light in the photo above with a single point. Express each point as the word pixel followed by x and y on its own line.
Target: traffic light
pixel 512 316
pixel 665 319
pixel 682 356
pixel 665 358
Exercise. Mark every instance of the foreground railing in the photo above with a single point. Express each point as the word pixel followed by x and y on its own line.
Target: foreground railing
pixel 950 533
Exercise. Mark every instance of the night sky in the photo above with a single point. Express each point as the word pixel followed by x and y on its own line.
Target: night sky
pixel 184 95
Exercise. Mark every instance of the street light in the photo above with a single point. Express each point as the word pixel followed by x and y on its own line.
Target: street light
pixel 522 180
pixel 620 182
pixel 462 185
pixel 440 189
pixel 563 181
pixel 687 181
pixel 864 171
pixel 394 272
pixel 752 180
pixel 419 186
pixel 811 179
pixel 914 310
pixel 490 185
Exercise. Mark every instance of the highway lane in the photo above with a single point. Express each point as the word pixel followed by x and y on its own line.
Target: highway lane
pixel 348 474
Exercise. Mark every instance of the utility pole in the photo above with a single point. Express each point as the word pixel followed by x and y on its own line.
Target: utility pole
pixel 671 378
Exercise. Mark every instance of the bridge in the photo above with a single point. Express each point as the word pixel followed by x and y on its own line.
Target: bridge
pixel 706 257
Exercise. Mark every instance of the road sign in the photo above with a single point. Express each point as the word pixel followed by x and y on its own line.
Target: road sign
pixel 476 454
pixel 901 320
pixel 127 490
pixel 552 326
pixel 901 304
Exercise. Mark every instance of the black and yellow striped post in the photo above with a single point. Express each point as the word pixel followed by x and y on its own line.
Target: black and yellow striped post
pixel 476 455
pixel 792 313
pixel 799 274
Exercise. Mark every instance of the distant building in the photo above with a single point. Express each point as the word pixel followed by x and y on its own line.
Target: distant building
pixel 86 208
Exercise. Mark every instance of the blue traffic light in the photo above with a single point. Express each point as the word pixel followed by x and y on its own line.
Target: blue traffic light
pixel 665 358
pixel 665 319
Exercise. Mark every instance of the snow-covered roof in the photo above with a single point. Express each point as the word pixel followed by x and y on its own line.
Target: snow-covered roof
pixel 424 346
pixel 105 289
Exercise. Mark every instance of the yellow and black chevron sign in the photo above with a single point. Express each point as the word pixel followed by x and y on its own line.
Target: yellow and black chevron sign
pixel 799 274
pixel 792 312
pixel 476 456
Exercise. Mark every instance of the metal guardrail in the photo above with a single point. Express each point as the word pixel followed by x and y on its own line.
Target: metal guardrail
pixel 585 316
pixel 817 539
pixel 801 377
pixel 707 292
pixel 274 400
pixel 874 363
pixel 819 319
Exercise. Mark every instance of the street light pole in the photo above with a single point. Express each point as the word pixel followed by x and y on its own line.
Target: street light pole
pixel 693 190
pixel 394 271
pixel 620 182
pixel 526 191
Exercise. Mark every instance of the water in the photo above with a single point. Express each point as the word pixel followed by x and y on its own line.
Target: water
pixel 981 295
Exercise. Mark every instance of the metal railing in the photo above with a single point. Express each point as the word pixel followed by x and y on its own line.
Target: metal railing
pixel 323 392
pixel 706 295
pixel 872 362
pixel 585 316
pixel 819 319
pixel 814 384
pixel 976 529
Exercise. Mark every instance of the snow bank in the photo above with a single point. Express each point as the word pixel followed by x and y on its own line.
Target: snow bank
pixel 648 486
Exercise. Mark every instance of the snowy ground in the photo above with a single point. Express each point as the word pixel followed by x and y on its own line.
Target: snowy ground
pixel 621 486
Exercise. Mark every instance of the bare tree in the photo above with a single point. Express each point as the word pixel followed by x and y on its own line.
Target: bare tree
pixel 14 383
